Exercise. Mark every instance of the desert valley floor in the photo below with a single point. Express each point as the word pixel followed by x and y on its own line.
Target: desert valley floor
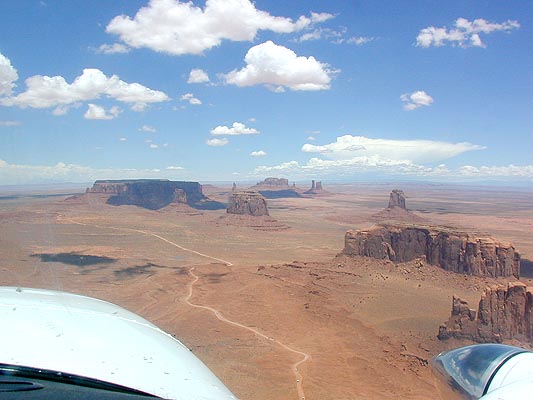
pixel 295 317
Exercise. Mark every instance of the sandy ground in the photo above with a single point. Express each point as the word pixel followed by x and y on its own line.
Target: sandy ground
pixel 270 307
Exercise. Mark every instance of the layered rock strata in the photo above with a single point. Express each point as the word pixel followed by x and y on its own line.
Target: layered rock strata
pixel 152 193
pixel 504 313
pixel 247 203
pixel 453 251
pixel 397 199
pixel 316 188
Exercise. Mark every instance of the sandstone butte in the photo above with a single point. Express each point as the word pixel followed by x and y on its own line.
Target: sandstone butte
pixel 451 250
pixel 504 313
pixel 153 193
pixel 247 203
pixel 397 199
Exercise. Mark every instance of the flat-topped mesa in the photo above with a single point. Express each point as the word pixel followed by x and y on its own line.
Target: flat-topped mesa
pixel 504 313
pixel 275 188
pixel 397 199
pixel 276 182
pixel 451 250
pixel 152 193
pixel 247 203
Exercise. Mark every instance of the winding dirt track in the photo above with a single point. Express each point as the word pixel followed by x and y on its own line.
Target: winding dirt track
pixel 218 314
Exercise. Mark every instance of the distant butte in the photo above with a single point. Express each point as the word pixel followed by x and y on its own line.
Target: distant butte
pixel 247 203
pixel 274 188
pixel 316 189
pixel 397 210
pixel 153 194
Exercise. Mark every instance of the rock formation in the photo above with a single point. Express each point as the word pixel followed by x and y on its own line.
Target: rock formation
pixel 397 199
pixel 504 313
pixel 316 189
pixel 273 184
pixel 451 250
pixel 275 188
pixel 247 203
pixel 397 211
pixel 153 193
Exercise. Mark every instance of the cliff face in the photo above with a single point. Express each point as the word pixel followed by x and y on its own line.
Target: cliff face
pixel 247 203
pixel 452 251
pixel 504 313
pixel 397 199
pixel 153 193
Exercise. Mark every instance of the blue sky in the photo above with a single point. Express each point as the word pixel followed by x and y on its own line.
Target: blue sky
pixel 224 90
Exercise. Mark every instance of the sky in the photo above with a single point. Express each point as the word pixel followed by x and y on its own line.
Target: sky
pixel 235 90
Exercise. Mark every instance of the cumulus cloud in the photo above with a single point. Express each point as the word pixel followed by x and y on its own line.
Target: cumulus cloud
pixel 175 27
pixel 280 67
pixel 14 174
pixel 115 48
pixel 147 128
pixel 258 153
pixel 217 142
pixel 465 33
pixel 237 128
pixel 198 76
pixel 348 147
pixel 358 165
pixel 46 91
pixel 96 112
pixel 153 146
pixel 8 76
pixel 191 99
pixel 417 99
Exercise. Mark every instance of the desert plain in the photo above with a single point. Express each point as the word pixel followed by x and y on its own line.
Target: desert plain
pixel 299 319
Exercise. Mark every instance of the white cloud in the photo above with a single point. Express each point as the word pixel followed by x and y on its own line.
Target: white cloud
pixel 174 168
pixel 97 112
pixel 271 64
pixel 9 123
pixel 46 91
pixel 217 142
pixel 374 165
pixel 348 147
pixel 237 128
pixel 175 27
pixel 312 138
pixel 191 99
pixel 465 34
pixel 153 146
pixel 8 76
pixel 147 128
pixel 415 100
pixel 360 40
pixel 115 48
pixel 258 153
pixel 198 76
pixel 123 139
pixel 14 174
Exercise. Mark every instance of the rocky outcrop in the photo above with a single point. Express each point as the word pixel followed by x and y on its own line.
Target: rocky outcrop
pixel 153 194
pixel 451 250
pixel 316 189
pixel 275 188
pixel 397 199
pixel 504 313
pixel 273 183
pixel 247 203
